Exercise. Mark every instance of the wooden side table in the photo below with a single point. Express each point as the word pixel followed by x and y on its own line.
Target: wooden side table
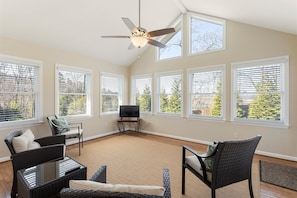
pixel 122 121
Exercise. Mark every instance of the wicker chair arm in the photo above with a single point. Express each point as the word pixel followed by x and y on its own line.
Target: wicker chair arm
pixel 51 140
pixel 199 157
pixel 76 123
pixel 37 156
pixel 100 175
pixel 166 183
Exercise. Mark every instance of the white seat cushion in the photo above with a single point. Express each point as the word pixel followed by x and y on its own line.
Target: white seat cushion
pixel 92 185
pixel 73 132
pixel 194 163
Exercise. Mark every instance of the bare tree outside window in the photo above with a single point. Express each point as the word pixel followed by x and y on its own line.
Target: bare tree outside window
pixel 206 36
pixel 73 92
pixel 17 92
pixel 206 94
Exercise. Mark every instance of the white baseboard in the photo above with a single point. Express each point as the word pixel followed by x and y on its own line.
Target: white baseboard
pixel 264 153
pixel 75 141
pixel 4 159
pixel 275 155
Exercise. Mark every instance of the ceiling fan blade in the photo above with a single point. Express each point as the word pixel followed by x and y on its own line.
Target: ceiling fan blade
pixel 131 46
pixel 115 36
pixel 161 32
pixel 129 23
pixel 156 43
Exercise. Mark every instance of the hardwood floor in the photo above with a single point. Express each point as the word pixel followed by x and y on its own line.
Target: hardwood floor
pixel 266 190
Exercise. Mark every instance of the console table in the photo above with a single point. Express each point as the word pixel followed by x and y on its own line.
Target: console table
pixel 122 121
pixel 47 179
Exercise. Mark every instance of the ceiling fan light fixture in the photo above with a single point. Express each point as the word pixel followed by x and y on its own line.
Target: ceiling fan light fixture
pixel 139 41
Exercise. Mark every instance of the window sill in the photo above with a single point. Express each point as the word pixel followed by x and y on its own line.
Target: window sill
pixel 18 124
pixel 261 124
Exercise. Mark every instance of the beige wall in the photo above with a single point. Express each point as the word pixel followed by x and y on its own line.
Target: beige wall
pixel 93 126
pixel 244 43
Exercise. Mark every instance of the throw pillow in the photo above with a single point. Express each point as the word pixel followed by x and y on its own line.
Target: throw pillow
pixel 33 145
pixel 20 143
pixel 92 185
pixel 24 142
pixel 208 162
pixel 61 125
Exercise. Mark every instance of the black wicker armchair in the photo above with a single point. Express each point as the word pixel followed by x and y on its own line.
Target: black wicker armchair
pixel 232 163
pixel 52 148
pixel 100 176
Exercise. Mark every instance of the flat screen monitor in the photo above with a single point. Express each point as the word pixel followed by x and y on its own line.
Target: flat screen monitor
pixel 129 111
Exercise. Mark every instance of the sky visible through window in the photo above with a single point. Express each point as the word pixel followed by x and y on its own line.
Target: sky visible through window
pixel 174 47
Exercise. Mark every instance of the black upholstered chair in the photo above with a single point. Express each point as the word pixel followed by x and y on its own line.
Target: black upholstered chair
pixel 52 148
pixel 100 176
pixel 232 163
pixel 75 130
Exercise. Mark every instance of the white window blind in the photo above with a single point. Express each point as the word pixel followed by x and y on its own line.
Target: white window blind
pixel 111 92
pixel 19 90
pixel 260 91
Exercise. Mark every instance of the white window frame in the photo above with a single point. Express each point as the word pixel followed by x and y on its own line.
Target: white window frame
pixel 89 89
pixel 133 90
pixel 157 91
pixel 178 25
pixel 207 19
pixel 37 86
pixel 121 91
pixel 284 121
pixel 221 68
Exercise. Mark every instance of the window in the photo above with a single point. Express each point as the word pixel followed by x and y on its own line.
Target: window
pixel 111 92
pixel 207 34
pixel 20 91
pixel 173 47
pixel 173 44
pixel 260 91
pixel 169 93
pixel 207 92
pixel 73 97
pixel 142 92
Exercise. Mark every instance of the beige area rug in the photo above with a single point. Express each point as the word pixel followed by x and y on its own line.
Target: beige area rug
pixel 133 159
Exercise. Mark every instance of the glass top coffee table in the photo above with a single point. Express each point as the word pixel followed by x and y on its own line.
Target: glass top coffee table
pixel 47 179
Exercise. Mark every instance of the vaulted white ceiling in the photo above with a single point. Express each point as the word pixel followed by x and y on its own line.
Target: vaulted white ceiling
pixel 77 25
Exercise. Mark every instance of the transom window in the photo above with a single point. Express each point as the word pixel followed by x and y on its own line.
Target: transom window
pixel 73 91
pixel 207 34
pixel 260 91
pixel 20 91
pixel 207 92
pixel 169 93
pixel 142 92
pixel 173 43
pixel 111 92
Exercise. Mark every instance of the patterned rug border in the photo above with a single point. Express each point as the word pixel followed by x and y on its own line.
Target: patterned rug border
pixel 271 175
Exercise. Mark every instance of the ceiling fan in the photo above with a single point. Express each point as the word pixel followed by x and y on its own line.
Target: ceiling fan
pixel 140 37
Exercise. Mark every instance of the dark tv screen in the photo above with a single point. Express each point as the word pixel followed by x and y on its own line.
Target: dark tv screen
pixel 129 111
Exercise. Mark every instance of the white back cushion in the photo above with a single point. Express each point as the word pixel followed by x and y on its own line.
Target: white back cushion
pixel 92 185
pixel 24 142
